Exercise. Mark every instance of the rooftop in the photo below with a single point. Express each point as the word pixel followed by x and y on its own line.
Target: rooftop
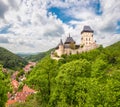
pixel 10 102
pixel 15 83
pixel 69 40
pixel 27 89
pixel 87 29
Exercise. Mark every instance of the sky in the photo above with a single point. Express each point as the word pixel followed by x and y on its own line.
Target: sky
pixel 30 26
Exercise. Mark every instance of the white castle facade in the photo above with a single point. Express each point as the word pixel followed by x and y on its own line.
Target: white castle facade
pixel 70 47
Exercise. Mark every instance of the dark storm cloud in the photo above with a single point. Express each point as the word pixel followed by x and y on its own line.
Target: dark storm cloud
pixel 3 9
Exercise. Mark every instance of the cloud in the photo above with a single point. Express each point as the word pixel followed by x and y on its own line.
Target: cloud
pixel 13 4
pixel 3 9
pixel 4 40
pixel 35 26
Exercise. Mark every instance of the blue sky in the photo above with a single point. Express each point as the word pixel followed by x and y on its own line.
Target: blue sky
pixel 59 12
pixel 31 26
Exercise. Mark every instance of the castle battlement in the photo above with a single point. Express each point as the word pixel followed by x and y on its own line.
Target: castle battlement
pixel 69 46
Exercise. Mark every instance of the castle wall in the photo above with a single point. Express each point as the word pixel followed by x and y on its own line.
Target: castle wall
pixel 69 51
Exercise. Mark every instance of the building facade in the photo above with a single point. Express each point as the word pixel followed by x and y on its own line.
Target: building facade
pixel 70 47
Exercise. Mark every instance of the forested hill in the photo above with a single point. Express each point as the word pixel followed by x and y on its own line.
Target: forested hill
pixel 90 79
pixel 10 60
pixel 38 56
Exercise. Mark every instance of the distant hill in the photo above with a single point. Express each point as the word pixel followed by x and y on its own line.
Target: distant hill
pixel 38 56
pixel 10 60
pixel 23 55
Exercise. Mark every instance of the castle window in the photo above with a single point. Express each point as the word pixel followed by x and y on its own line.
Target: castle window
pixel 89 39
pixel 86 39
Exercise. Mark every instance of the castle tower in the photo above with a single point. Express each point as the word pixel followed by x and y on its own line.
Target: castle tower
pixel 61 48
pixel 69 43
pixel 87 36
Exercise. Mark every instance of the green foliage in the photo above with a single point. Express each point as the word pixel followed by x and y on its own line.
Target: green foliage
pixel 4 87
pixel 90 79
pixel 21 73
pixel 10 60
pixel 42 78
pixel 67 80
pixel 39 56
pixel 31 102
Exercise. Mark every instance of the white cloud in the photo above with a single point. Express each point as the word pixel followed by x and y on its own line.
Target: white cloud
pixel 33 29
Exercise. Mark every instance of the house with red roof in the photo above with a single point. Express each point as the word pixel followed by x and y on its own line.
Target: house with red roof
pixel 27 68
pixel 26 89
pixel 20 96
pixel 15 85
pixel 10 102
pixel 14 75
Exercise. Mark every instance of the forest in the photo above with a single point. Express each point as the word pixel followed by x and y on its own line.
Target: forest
pixel 90 79
pixel 11 60
pixel 37 57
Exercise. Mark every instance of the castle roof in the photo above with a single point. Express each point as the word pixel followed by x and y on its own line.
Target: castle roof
pixel 69 40
pixel 87 29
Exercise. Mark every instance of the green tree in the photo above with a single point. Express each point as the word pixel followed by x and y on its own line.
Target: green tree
pixel 69 89
pixel 42 79
pixel 3 89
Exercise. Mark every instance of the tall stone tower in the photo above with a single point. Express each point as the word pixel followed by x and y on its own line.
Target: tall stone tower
pixel 61 48
pixel 87 36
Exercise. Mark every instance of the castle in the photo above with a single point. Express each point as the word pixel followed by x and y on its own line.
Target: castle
pixel 70 47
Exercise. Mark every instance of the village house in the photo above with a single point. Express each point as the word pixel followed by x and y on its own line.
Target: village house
pixel 27 68
pixel 14 75
pixel 20 96
pixel 70 47
pixel 15 85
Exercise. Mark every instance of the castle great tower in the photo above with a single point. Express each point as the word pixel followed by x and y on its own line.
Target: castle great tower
pixel 87 36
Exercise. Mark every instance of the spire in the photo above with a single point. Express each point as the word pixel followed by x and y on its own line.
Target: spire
pixel 61 43
pixel 69 40
pixel 69 34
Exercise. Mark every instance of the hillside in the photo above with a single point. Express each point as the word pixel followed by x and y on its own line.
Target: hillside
pixel 89 79
pixel 10 60
pixel 23 55
pixel 38 56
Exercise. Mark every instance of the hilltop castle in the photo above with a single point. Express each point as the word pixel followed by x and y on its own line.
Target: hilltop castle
pixel 70 47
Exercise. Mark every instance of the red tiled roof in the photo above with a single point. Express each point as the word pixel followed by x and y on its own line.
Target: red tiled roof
pixel 27 67
pixel 27 89
pixel 21 97
pixel 9 102
pixel 15 83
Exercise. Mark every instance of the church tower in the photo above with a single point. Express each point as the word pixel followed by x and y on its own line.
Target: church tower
pixel 87 36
